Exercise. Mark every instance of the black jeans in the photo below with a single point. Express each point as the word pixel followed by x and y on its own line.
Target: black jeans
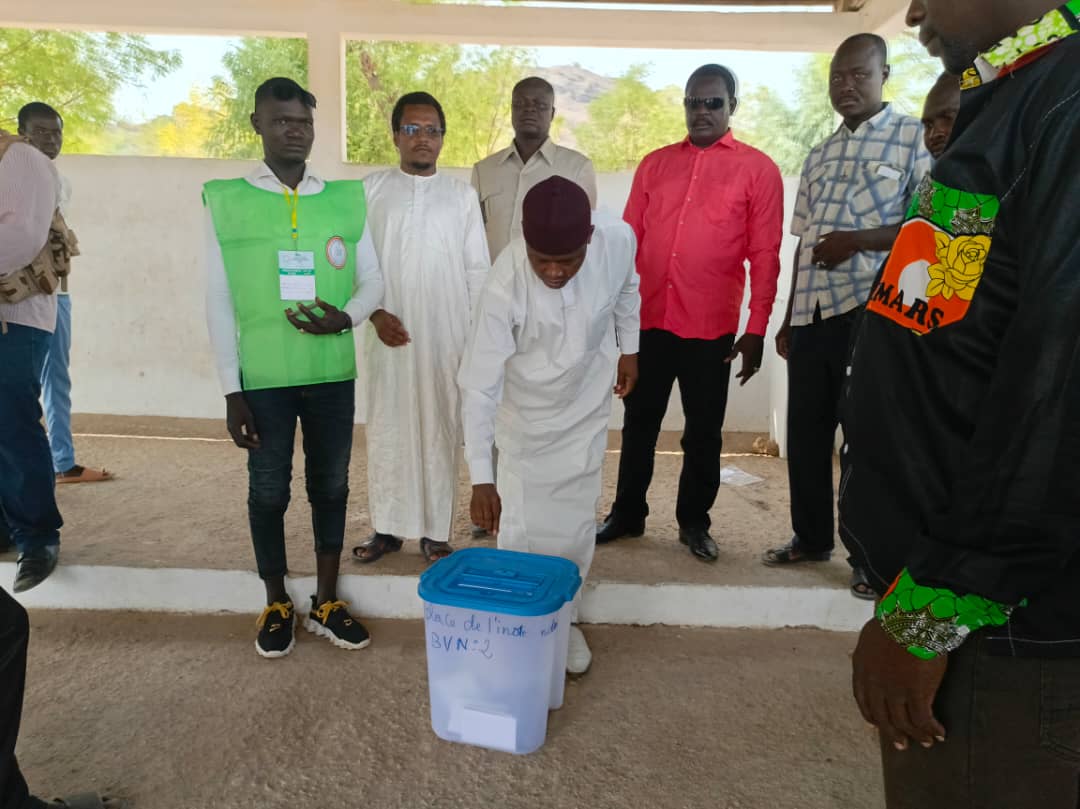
pixel 817 367
pixel 27 483
pixel 1012 730
pixel 326 414
pixel 703 385
pixel 14 637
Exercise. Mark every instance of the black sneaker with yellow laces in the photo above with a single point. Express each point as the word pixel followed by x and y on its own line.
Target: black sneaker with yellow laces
pixel 332 621
pixel 276 626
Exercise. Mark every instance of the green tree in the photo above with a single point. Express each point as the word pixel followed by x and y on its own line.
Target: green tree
pixel 77 73
pixel 629 121
pixel 186 132
pixel 248 65
pixel 788 131
pixel 473 85
pixel 914 72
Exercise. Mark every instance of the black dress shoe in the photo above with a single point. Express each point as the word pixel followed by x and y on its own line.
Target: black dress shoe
pixel 613 528
pixel 33 568
pixel 700 543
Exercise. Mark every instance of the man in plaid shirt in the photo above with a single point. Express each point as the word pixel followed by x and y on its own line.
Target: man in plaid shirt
pixel 854 192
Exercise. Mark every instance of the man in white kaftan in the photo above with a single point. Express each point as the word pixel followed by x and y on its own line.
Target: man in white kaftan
pixel 557 326
pixel 429 236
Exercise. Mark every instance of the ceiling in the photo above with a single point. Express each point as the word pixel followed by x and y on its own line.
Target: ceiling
pixel 836 5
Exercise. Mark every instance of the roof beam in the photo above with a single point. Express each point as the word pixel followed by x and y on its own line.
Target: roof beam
pixel 452 23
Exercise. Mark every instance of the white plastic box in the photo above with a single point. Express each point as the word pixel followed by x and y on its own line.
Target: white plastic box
pixel 497 627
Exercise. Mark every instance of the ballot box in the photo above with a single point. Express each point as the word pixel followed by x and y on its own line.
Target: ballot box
pixel 497 628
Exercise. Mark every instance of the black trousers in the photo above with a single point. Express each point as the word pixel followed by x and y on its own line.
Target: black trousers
pixel 1012 729
pixel 325 413
pixel 703 385
pixel 14 637
pixel 817 367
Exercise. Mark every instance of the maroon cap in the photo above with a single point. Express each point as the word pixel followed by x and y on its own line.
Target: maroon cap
pixel 556 217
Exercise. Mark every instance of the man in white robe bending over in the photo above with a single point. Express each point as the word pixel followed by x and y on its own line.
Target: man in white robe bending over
pixel 429 236
pixel 556 328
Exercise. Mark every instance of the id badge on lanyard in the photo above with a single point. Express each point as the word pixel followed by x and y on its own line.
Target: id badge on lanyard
pixel 296 268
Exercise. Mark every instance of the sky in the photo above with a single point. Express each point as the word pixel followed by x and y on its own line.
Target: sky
pixel 202 61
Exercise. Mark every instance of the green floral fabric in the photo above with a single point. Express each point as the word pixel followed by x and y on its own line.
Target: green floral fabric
pixel 1051 27
pixel 930 621
pixel 962 213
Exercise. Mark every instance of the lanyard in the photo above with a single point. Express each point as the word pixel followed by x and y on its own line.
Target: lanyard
pixel 293 201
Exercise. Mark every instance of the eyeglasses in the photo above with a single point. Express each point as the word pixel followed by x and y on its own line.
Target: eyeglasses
pixel 712 103
pixel 412 130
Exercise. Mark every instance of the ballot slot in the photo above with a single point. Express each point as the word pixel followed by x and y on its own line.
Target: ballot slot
pixel 500 584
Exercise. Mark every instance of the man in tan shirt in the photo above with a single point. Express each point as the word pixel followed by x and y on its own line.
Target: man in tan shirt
pixel 503 179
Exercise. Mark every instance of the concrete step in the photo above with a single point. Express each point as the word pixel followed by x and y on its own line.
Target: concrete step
pixel 171 534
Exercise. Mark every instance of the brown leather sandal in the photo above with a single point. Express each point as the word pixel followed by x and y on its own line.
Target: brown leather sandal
pixel 84 474
pixel 375 548
pixel 434 551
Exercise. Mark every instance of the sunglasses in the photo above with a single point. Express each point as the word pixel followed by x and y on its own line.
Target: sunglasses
pixel 712 104
pixel 412 130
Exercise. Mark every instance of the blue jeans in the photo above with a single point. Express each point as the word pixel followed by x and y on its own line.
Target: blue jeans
pixel 56 389
pixel 325 413
pixel 27 482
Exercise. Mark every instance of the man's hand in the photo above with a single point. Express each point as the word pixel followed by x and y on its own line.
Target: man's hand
pixel 627 377
pixel 752 348
pixel 895 690
pixel 389 329
pixel 486 507
pixel 836 248
pixel 332 321
pixel 241 421
pixel 783 340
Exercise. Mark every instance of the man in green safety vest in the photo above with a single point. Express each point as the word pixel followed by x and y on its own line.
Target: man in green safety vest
pixel 291 270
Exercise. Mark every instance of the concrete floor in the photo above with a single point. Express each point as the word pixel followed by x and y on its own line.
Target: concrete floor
pixel 177 712
pixel 182 503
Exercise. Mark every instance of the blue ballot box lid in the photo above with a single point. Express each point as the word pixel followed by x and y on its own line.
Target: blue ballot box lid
pixel 507 582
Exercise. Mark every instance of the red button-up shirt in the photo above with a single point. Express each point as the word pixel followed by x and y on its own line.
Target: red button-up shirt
pixel 699 216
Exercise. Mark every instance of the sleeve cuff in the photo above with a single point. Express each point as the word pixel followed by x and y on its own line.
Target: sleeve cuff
pixel 357 312
pixel 629 342
pixel 758 324
pixel 481 471
pixel 230 381
pixel 932 621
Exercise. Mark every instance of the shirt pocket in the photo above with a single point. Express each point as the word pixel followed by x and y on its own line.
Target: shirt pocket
pixel 875 189
pixel 727 209
pixel 819 181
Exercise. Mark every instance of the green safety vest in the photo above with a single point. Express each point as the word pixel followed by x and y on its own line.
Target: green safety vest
pixel 252 225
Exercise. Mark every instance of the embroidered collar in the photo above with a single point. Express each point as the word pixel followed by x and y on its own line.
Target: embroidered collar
pixel 1026 45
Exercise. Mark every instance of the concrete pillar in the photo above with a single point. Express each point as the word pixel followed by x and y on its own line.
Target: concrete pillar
pixel 326 77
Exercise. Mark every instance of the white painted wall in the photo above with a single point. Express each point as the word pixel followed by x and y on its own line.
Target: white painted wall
pixel 140 345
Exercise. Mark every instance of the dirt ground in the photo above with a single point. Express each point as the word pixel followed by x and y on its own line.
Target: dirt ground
pixel 177 712
pixel 180 501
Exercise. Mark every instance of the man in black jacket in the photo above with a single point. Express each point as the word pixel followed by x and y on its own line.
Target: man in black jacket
pixel 962 416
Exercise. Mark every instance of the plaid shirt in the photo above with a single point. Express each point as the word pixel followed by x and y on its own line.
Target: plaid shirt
pixel 857 180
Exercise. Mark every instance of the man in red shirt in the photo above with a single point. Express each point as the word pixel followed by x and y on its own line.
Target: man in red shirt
pixel 701 209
